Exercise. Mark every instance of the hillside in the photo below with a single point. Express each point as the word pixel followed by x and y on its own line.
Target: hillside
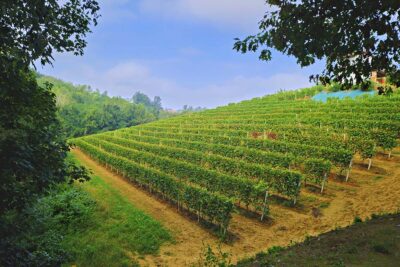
pixel 85 111
pixel 261 173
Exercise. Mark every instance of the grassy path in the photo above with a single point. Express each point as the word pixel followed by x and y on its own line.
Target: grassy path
pixel 119 234
pixel 188 236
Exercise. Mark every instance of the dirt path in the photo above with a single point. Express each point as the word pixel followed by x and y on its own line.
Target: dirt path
pixel 374 191
pixel 184 230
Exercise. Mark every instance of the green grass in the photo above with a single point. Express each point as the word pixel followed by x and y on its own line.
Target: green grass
pixel 118 233
pixel 372 243
pixel 378 177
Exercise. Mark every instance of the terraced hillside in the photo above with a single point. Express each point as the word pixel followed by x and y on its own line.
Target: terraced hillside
pixel 267 159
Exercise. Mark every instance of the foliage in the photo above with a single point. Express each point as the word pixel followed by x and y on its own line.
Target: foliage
pixel 355 37
pixel 34 30
pixel 118 231
pixel 32 150
pixel 82 110
pixel 187 109
pixel 94 226
pixel 213 207
pixel 334 87
pixel 385 90
pixel 77 173
pixel 317 169
pixel 210 258
pixel 35 236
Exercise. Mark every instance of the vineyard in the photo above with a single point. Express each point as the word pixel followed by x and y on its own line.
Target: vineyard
pixel 250 155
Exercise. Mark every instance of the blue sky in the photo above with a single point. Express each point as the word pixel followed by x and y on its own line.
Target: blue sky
pixel 180 50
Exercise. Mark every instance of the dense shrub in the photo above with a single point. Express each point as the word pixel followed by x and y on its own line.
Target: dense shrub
pixel 35 236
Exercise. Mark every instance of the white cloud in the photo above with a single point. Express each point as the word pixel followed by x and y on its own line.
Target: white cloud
pixel 129 77
pixel 240 88
pixel 244 14
pixel 126 78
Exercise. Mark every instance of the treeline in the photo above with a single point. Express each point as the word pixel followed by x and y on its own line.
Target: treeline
pixel 83 111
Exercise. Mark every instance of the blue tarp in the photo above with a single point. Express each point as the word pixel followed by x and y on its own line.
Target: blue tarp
pixel 323 96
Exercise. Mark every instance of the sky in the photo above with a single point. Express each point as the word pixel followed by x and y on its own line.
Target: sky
pixel 180 50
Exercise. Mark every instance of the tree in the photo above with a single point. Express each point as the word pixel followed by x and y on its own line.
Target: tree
pixel 354 37
pixel 140 98
pixel 34 30
pixel 32 149
pixel 157 103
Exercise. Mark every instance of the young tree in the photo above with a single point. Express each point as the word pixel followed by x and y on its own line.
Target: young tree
pixel 157 103
pixel 354 37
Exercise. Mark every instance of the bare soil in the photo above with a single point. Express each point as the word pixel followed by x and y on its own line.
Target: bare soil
pixel 376 191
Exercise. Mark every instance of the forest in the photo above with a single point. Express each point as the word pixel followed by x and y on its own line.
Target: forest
pixel 82 110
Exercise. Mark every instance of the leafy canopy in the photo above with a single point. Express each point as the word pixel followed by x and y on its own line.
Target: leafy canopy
pixel 355 37
pixel 32 150
pixel 34 30
pixel 83 111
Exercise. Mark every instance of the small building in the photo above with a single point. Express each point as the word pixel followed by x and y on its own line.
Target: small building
pixel 378 77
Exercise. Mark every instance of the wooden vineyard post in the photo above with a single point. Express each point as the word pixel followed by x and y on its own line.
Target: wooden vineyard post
pixel 323 182
pixel 348 171
pixel 390 154
pixel 295 199
pixel 369 163
pixel 264 205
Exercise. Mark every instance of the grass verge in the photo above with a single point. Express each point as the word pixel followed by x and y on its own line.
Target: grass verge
pixel 118 232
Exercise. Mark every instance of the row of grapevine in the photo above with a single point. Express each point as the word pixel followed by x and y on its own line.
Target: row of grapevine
pixel 280 181
pixel 200 151
pixel 247 191
pixel 364 146
pixel 240 154
pixel 210 206
pixel 339 157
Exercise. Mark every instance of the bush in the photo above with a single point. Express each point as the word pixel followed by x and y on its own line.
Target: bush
pixel 35 236
pixel 357 220
pixel 334 87
pixel 381 249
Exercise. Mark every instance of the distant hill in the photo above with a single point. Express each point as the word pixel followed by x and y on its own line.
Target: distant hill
pixel 83 110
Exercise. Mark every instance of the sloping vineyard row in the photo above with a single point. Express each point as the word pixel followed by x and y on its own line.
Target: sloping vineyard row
pixel 210 206
pixel 238 155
